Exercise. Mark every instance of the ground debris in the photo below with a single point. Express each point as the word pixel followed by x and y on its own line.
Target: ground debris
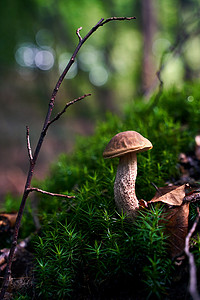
pixel 22 280
pixel 7 221
pixel 189 165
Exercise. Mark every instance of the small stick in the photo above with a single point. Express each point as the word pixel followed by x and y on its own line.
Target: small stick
pixel 28 144
pixel 155 186
pixel 192 267
pixel 181 38
pixel 48 193
pixel 118 19
pixel 78 33
pixel 66 106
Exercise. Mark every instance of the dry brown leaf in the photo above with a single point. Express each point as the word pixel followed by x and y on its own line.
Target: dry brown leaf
pixel 171 195
pixel 176 221
pixel 175 218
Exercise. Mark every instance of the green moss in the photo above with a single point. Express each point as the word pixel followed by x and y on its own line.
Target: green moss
pixel 85 245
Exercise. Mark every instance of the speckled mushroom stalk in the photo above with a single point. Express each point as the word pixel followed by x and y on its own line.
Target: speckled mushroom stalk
pixel 126 145
pixel 124 186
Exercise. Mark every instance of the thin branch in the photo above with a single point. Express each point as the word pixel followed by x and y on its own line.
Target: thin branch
pixel 64 110
pixel 160 88
pixel 60 80
pixel 39 145
pixel 118 19
pixel 175 49
pixel 28 145
pixel 160 80
pixel 156 188
pixel 48 193
pixel 78 33
pixel 192 267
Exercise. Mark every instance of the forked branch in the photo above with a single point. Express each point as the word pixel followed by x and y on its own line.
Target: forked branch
pixel 64 109
pixel 33 157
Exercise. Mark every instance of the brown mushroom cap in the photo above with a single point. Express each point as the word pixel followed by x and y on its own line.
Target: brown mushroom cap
pixel 126 142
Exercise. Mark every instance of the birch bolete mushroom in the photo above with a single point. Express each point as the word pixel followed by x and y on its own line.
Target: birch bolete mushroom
pixel 126 145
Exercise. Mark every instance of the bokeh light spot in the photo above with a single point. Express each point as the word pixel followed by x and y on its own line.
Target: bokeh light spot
pixel 25 55
pixel 30 56
pixel 190 99
pixel 98 76
pixel 44 59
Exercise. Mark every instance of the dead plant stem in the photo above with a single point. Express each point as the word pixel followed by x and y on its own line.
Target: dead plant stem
pixel 192 267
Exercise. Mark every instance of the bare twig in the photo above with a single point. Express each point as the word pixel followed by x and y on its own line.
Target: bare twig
pixel 192 267
pixel 160 82
pixel 29 145
pixel 33 158
pixel 174 50
pixel 66 106
pixel 118 19
pixel 160 88
pixel 156 188
pixel 78 33
pixel 48 193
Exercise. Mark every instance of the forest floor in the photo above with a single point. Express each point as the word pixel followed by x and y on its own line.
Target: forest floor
pixel 23 280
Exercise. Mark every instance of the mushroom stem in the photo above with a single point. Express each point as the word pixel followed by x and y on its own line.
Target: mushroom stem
pixel 124 186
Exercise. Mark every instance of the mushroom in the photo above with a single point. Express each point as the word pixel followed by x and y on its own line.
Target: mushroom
pixel 126 145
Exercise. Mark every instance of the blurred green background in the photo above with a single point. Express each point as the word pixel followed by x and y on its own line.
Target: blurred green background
pixel 117 64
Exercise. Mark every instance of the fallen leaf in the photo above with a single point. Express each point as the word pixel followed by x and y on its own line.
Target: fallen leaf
pixel 176 222
pixel 171 195
pixel 175 216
